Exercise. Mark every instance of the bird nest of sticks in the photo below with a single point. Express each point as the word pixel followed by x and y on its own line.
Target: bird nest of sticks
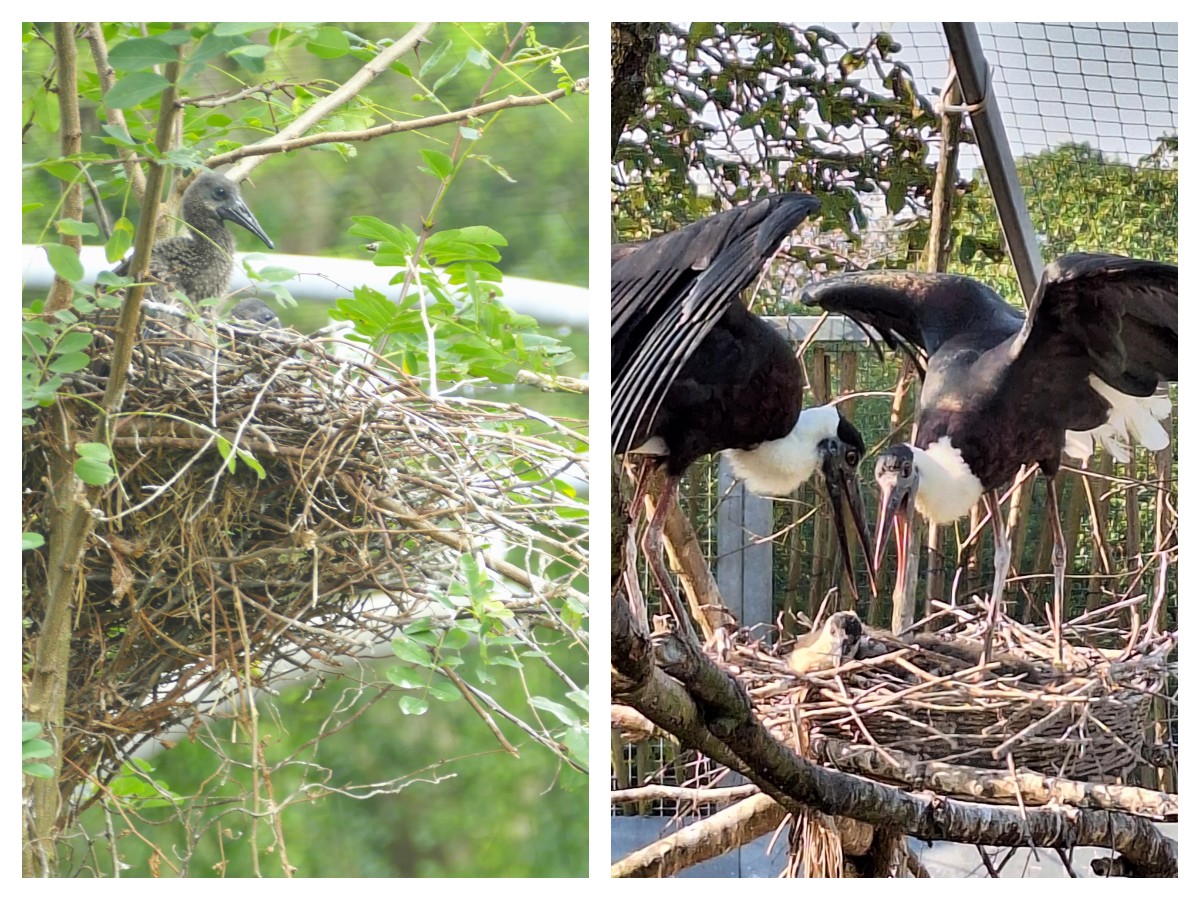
pixel 929 696
pixel 283 502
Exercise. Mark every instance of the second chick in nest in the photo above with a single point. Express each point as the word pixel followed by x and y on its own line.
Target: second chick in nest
pixel 827 647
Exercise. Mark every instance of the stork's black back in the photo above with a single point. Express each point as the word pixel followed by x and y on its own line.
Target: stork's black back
pixel 669 370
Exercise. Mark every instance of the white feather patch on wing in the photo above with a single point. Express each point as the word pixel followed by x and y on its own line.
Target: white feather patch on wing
pixel 1130 419
pixel 654 446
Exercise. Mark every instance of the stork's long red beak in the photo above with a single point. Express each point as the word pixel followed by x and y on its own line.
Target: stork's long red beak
pixel 896 510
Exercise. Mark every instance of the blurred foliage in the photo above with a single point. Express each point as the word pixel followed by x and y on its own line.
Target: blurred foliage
pixel 735 110
pixel 464 808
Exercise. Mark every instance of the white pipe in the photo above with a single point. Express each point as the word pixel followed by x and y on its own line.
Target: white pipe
pixel 326 279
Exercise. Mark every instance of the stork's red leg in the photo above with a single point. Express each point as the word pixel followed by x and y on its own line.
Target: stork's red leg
pixel 653 548
pixel 1059 559
pixel 1002 559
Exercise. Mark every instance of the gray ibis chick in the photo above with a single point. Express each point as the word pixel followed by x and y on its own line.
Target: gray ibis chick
pixel 253 313
pixel 199 262
pixel 827 647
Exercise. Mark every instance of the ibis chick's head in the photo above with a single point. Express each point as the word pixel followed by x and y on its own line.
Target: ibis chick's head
pixel 829 646
pixel 214 198
pixel 253 313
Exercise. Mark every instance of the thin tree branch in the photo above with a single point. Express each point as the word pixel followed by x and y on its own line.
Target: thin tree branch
pixel 330 137
pixel 319 110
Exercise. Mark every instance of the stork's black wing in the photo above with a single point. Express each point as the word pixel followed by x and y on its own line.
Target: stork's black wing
pixel 915 310
pixel 1122 313
pixel 669 292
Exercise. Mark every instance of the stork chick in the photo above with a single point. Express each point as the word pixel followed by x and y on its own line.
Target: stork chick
pixel 827 647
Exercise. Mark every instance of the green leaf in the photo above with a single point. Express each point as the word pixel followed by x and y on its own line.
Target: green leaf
pixel 96 451
pixel 454 70
pixel 134 89
pixel 140 53
pixel 439 163
pixel 253 51
pixel 434 59
pixel 225 448
pixel 456 639
pixel 74 341
pixel 65 261
pixel 565 714
pixel 30 730
pixel 576 739
pixel 422 634
pixel 277 273
pixel 37 770
pixel 410 651
pixel 447 693
pixel 73 226
pixel 68 363
pixel 228 29
pixel 413 706
pixel 36 749
pixel 120 242
pixel 376 229
pixel 402 678
pixel 249 459
pixel 31 540
pixel 92 472
pixel 63 171
pixel 329 43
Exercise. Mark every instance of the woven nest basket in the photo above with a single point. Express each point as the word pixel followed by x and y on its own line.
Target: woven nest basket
pixel 283 503
pixel 931 698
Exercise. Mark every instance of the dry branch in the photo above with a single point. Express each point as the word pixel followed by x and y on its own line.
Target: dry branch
pixel 707 839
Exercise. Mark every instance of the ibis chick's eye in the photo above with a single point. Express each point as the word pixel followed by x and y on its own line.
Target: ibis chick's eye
pixel 907 469
pixel 852 458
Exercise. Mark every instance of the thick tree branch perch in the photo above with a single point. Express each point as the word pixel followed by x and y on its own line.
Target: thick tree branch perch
pixel 714 709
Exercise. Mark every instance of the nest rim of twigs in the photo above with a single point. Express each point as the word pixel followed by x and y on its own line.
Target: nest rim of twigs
pixel 1085 720
pixel 283 501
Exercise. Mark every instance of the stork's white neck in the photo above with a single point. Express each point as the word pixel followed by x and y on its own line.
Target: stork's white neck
pixel 776 468
pixel 947 489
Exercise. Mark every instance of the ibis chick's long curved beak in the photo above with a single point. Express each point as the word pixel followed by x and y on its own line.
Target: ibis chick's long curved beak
pixel 839 468
pixel 898 480
pixel 236 210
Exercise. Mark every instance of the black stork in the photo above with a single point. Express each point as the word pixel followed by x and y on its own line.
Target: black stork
pixel 694 372
pixel 1002 389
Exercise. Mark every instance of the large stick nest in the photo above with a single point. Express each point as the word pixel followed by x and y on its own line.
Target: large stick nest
pixel 931 697
pixel 377 504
